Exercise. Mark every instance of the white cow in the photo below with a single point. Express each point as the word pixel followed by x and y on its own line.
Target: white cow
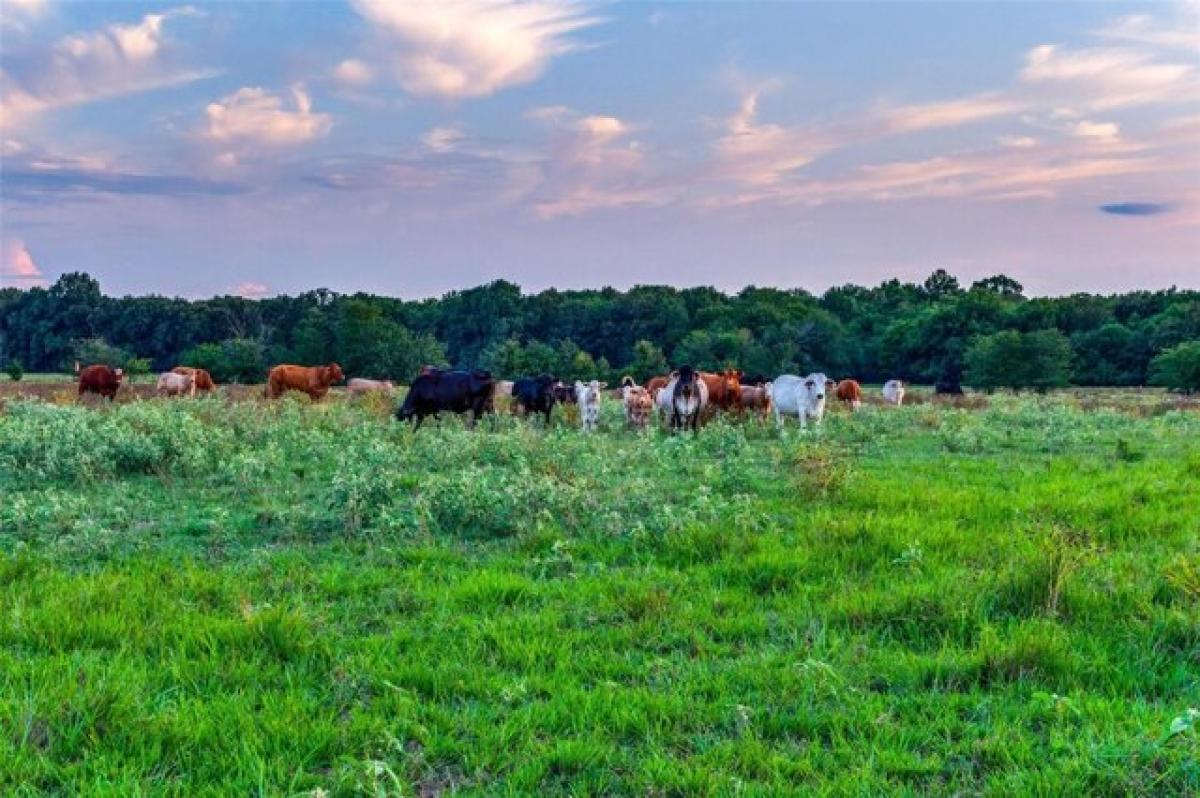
pixel 802 396
pixel 587 396
pixel 172 384
pixel 893 392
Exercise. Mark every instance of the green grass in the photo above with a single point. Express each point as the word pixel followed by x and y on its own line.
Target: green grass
pixel 202 598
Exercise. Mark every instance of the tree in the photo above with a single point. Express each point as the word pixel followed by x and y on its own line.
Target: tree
pixel 648 361
pixel 14 370
pixel 1000 284
pixel 97 351
pixel 1110 355
pixel 233 360
pixel 1011 359
pixel 941 284
pixel 1178 368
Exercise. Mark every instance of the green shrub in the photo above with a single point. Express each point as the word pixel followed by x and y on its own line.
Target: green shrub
pixel 1178 368
pixel 14 370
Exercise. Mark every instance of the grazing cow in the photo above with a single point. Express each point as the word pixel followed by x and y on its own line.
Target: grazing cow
pixel 535 395
pixel 756 399
pixel 204 381
pixel 687 396
pixel 172 384
pixel 893 392
pixel 638 404
pixel 587 395
pixel 100 379
pixel 803 396
pixel 724 389
pixel 312 380
pixel 454 391
pixel 948 387
pixel 361 387
pixel 849 393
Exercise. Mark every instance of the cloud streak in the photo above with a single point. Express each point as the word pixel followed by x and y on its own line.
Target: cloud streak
pixel 1136 208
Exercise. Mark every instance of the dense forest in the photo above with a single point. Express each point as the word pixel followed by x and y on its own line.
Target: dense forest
pixel 938 330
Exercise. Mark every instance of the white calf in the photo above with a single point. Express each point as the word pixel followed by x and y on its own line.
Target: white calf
pixel 172 384
pixel 893 392
pixel 587 396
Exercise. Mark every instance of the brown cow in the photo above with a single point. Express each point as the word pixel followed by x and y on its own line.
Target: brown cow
pixel 756 399
pixel 849 393
pixel 656 384
pixel 312 380
pixel 204 381
pixel 100 379
pixel 724 389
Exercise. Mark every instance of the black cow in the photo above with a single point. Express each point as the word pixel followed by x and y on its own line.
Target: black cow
pixel 454 391
pixel 535 394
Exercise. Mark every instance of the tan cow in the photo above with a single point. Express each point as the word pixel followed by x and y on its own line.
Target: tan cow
pixel 172 384
pixel 361 387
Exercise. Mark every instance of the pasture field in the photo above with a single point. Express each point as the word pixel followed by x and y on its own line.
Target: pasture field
pixel 205 597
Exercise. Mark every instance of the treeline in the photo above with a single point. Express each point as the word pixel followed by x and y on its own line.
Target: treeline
pixel 929 332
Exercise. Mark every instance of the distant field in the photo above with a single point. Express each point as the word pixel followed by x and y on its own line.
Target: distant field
pixel 233 598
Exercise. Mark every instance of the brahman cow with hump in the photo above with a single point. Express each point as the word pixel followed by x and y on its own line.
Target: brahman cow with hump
pixel 893 392
pixel 849 393
pixel 172 384
pixel 803 397
pixel 312 380
pixel 535 395
pixel 100 379
pixel 203 380
pixel 684 399
pixel 454 391
pixel 587 396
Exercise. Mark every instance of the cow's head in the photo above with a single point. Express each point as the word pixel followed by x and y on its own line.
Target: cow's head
pixel 685 381
pixel 334 372
pixel 818 385
pixel 733 382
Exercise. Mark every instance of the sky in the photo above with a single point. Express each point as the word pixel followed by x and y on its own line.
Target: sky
pixel 410 148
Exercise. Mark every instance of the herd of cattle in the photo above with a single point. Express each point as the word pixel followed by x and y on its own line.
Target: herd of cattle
pixel 683 399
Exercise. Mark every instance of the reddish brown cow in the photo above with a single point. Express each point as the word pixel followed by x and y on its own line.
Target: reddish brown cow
pixel 849 393
pixel 756 400
pixel 724 389
pixel 203 380
pixel 312 380
pixel 100 379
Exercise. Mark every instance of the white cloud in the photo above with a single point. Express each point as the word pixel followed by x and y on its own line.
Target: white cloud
pixel 1019 142
pixel 458 49
pixel 1108 77
pixel 253 118
pixel 442 139
pixel 116 60
pixel 947 113
pixel 1105 131
pixel 593 164
pixel 1146 30
pixel 251 290
pixel 353 72
pixel 18 267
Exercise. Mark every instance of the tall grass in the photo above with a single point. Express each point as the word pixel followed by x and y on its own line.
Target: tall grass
pixel 204 597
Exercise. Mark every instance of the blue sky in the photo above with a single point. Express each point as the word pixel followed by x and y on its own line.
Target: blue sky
pixel 416 147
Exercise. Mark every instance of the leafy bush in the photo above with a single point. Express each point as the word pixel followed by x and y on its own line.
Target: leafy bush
pixel 1178 368
pixel 14 370
pixel 1010 359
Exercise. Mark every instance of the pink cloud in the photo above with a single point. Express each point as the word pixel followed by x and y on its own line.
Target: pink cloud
pixel 18 267
pixel 251 290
